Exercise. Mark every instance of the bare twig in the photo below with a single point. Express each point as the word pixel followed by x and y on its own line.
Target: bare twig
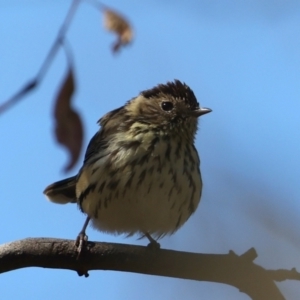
pixel 32 84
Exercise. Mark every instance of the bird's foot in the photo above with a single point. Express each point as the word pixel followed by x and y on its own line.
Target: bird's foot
pixel 81 242
pixel 82 238
pixel 153 243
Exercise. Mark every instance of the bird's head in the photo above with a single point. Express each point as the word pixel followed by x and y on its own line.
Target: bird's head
pixel 170 107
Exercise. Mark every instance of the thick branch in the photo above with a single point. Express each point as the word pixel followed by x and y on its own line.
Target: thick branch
pixel 237 271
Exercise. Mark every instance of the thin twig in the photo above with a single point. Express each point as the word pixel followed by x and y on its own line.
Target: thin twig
pixel 32 84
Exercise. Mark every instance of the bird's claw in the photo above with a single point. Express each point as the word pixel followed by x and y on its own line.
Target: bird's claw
pixel 81 242
pixel 153 245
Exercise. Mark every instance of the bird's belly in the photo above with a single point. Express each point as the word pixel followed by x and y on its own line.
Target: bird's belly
pixel 157 196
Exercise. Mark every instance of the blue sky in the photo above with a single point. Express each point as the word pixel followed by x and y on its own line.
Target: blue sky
pixel 241 58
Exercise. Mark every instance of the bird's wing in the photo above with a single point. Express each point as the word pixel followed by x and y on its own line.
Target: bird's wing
pixel 109 123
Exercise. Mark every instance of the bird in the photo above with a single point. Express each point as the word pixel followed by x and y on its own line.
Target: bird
pixel 141 170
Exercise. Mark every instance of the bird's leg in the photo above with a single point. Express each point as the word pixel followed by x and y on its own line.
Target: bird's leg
pixel 153 243
pixel 82 238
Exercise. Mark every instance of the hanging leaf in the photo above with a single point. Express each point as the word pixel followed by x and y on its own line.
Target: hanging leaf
pixel 117 24
pixel 68 126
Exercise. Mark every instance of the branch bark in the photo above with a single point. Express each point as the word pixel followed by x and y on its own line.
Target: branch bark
pixel 232 269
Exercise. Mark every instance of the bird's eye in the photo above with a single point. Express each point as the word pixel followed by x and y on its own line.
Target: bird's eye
pixel 167 106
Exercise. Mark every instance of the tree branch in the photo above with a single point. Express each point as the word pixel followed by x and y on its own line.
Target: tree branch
pixel 237 271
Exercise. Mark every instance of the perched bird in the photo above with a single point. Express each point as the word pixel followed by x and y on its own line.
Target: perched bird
pixel 141 169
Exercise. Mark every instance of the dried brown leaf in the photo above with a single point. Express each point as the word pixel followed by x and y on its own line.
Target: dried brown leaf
pixel 117 24
pixel 68 126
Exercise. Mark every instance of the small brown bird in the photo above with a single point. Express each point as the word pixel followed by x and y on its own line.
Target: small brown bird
pixel 141 169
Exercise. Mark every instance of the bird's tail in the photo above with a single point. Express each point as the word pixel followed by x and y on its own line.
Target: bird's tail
pixel 62 192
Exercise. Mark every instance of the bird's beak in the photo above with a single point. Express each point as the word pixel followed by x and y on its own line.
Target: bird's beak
pixel 200 111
